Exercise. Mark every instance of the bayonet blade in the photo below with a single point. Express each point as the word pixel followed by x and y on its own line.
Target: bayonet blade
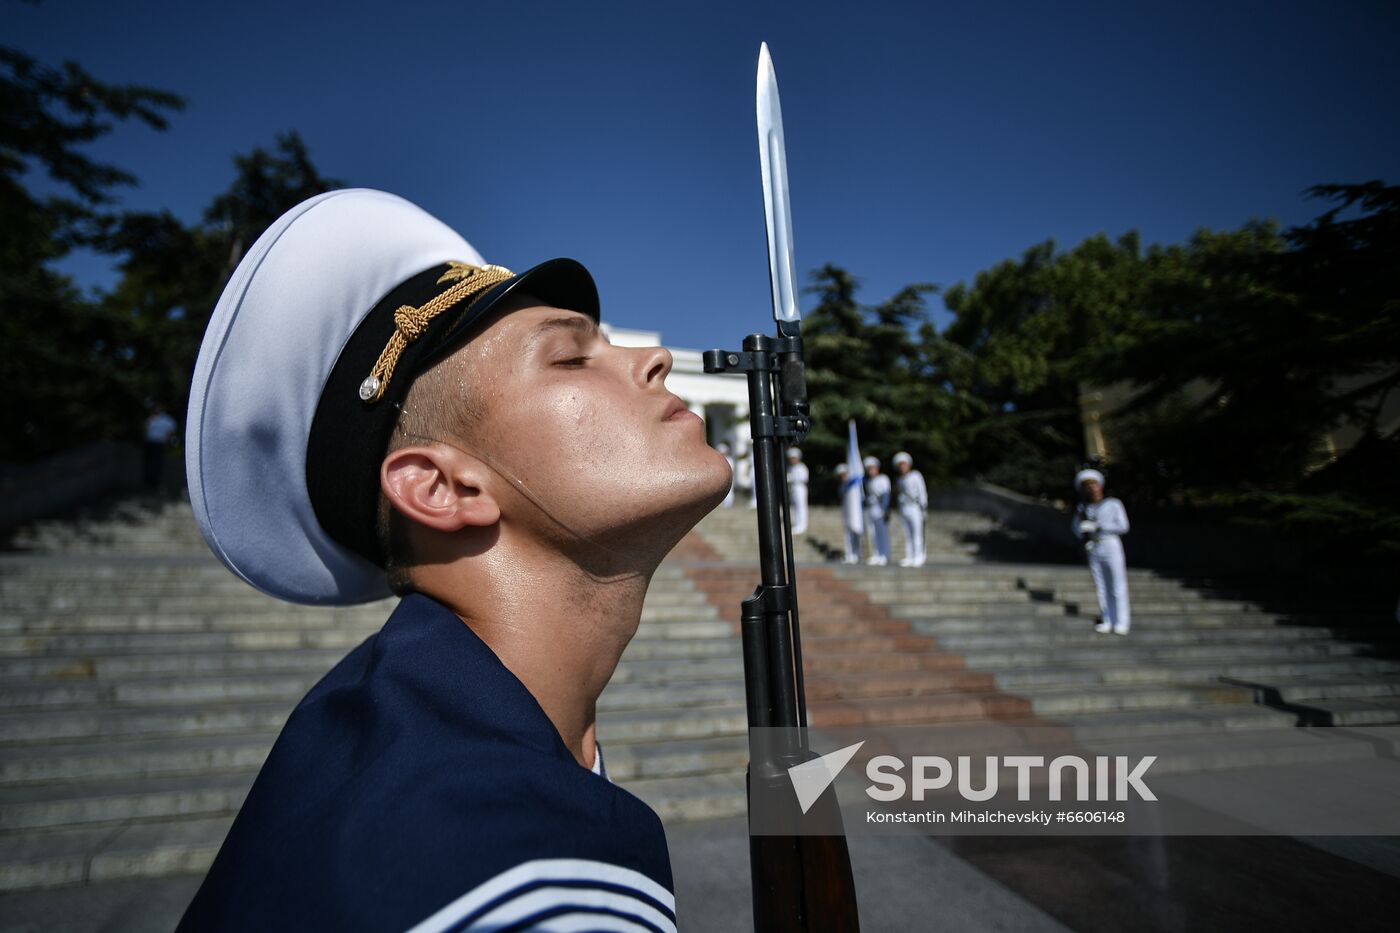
pixel 777 210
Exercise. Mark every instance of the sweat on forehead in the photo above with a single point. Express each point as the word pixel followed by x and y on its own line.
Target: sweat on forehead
pixel 448 400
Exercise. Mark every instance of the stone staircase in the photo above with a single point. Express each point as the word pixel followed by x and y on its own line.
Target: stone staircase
pixel 143 684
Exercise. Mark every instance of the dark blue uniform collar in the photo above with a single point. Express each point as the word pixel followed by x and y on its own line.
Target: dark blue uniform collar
pixel 417 770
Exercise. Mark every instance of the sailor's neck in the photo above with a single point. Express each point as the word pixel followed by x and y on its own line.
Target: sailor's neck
pixel 559 628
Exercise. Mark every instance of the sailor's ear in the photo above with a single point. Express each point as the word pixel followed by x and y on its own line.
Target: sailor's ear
pixel 439 487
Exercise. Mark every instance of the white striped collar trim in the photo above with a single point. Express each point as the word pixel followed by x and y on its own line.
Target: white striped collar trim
pixel 588 895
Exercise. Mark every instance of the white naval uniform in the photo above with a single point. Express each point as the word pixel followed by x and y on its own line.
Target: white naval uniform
pixel 912 497
pixel 797 476
pixel 852 521
pixel 1106 563
pixel 743 479
pixel 877 502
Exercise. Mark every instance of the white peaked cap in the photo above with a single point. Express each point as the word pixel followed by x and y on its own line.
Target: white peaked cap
pixel 292 311
pixel 871 461
pixel 794 452
pixel 903 457
pixel 1084 475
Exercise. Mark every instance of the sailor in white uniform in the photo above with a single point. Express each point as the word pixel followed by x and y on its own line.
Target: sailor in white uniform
pixel 728 458
pixel 1098 522
pixel 743 478
pixel 912 499
pixel 850 514
pixel 797 490
pixel 877 504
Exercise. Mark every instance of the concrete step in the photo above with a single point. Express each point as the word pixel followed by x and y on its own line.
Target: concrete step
pixel 841 686
pixel 103 724
pixel 702 797
pixel 219 618
pixel 112 667
pixel 138 850
pixel 644 696
pixel 1116 653
pixel 113 800
pixel 77 803
pixel 1055 701
pixel 707 721
pixel 681 648
pixel 629 762
pixel 930 610
pixel 212 688
pixel 1157 672
pixel 660 671
pixel 119 643
pixel 1081 633
pixel 1337 686
pixel 1206 718
pixel 719 712
pixel 71 600
pixel 880 663
pixel 122 759
pixel 1151 628
pixel 144 689
pixel 1372 711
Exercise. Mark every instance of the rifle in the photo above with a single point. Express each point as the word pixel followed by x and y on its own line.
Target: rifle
pixel 800 882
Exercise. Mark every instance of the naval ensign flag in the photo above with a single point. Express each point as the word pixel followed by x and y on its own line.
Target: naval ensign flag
pixel 853 494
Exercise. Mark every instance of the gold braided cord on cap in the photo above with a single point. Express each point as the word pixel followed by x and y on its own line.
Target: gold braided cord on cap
pixel 410 322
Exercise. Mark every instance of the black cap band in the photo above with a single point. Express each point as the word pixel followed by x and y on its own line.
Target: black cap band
pixel 349 436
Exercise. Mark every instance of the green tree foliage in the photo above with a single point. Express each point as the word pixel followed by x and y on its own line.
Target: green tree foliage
pixel 1254 344
pixel 1020 347
pixel 865 362
pixel 62 351
pixel 87 367
pixel 1237 351
pixel 172 274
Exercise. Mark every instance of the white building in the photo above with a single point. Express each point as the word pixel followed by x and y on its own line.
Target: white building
pixel 722 399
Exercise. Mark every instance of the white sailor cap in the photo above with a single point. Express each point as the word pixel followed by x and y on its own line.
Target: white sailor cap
pixel 842 468
pixel 903 457
pixel 794 452
pixel 303 372
pixel 1084 475
pixel 871 461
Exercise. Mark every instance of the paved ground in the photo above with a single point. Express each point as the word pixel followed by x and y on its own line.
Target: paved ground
pixel 906 883
pixel 146 906
pixel 965 885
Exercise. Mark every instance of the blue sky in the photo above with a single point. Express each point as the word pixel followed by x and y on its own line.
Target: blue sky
pixel 926 141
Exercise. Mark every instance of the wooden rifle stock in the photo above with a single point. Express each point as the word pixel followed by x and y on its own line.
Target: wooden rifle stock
pixel 801 883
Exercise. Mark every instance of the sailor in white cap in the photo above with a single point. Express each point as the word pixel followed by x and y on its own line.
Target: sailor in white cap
pixel 797 477
pixel 743 478
pixel 877 505
pixel 912 500
pixel 723 448
pixel 1098 522
pixel 850 516
pixel 376 409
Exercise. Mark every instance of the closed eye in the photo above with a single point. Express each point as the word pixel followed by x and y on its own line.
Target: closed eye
pixel 573 361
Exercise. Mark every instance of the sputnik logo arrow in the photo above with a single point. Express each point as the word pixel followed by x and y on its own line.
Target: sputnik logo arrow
pixel 811 778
